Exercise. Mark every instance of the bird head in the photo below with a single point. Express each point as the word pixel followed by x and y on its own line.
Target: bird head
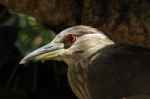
pixel 70 45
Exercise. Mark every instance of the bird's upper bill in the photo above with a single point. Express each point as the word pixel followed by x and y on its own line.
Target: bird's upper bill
pixel 70 45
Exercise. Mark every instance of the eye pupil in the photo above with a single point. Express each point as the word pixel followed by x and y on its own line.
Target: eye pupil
pixel 71 38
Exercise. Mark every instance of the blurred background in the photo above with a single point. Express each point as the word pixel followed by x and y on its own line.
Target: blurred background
pixel 19 35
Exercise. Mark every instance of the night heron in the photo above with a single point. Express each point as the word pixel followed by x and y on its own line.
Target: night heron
pixel 97 67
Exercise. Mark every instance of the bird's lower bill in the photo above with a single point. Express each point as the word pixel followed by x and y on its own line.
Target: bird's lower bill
pixel 49 56
pixel 48 52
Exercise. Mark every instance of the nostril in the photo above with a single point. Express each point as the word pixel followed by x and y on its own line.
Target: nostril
pixel 47 47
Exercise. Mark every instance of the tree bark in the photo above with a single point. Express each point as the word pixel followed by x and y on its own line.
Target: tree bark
pixel 124 21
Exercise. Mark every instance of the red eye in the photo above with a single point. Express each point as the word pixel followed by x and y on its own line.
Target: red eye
pixel 71 38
